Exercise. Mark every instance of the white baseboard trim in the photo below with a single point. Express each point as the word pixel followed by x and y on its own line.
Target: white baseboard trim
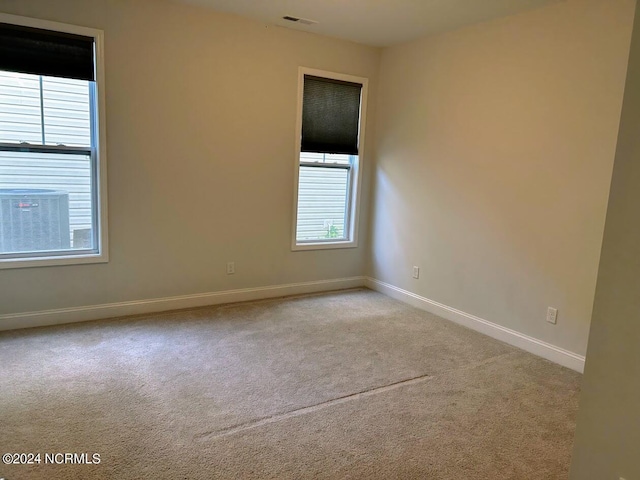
pixel 59 316
pixel 532 345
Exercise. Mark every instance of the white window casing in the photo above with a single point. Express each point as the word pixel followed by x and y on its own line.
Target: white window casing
pixel 71 156
pixel 327 186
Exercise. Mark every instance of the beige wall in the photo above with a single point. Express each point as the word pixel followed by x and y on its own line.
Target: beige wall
pixel 494 144
pixel 201 111
pixel 495 147
pixel 608 433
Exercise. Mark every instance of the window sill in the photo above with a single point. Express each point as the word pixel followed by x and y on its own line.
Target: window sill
pixel 324 245
pixel 53 261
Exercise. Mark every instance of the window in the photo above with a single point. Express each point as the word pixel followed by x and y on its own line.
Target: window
pixel 52 159
pixel 331 115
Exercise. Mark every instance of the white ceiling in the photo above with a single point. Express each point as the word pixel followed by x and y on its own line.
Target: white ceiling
pixel 378 23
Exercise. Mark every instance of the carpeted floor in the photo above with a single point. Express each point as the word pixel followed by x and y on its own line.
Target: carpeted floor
pixel 342 385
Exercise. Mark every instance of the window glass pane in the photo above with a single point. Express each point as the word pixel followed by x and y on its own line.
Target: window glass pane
pixel 20 112
pixel 67 118
pixel 30 103
pixel 322 203
pixel 45 202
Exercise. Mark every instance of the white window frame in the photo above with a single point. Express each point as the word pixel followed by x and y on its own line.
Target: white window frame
pixel 98 153
pixel 355 178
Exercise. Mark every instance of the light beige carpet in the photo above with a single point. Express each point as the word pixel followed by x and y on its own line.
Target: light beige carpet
pixel 342 385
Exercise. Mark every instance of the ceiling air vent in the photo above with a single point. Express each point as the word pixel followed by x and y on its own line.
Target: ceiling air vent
pixel 303 21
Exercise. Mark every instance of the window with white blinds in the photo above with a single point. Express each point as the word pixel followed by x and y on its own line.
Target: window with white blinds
pixel 50 160
pixel 331 113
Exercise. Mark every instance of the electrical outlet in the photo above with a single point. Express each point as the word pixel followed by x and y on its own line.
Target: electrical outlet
pixel 416 272
pixel 552 315
pixel 231 268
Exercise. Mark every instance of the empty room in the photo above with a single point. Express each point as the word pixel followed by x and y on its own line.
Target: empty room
pixel 294 239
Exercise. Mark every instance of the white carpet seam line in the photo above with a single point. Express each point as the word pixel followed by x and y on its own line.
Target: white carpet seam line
pixel 312 408
pixel 224 432
pixel 481 363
